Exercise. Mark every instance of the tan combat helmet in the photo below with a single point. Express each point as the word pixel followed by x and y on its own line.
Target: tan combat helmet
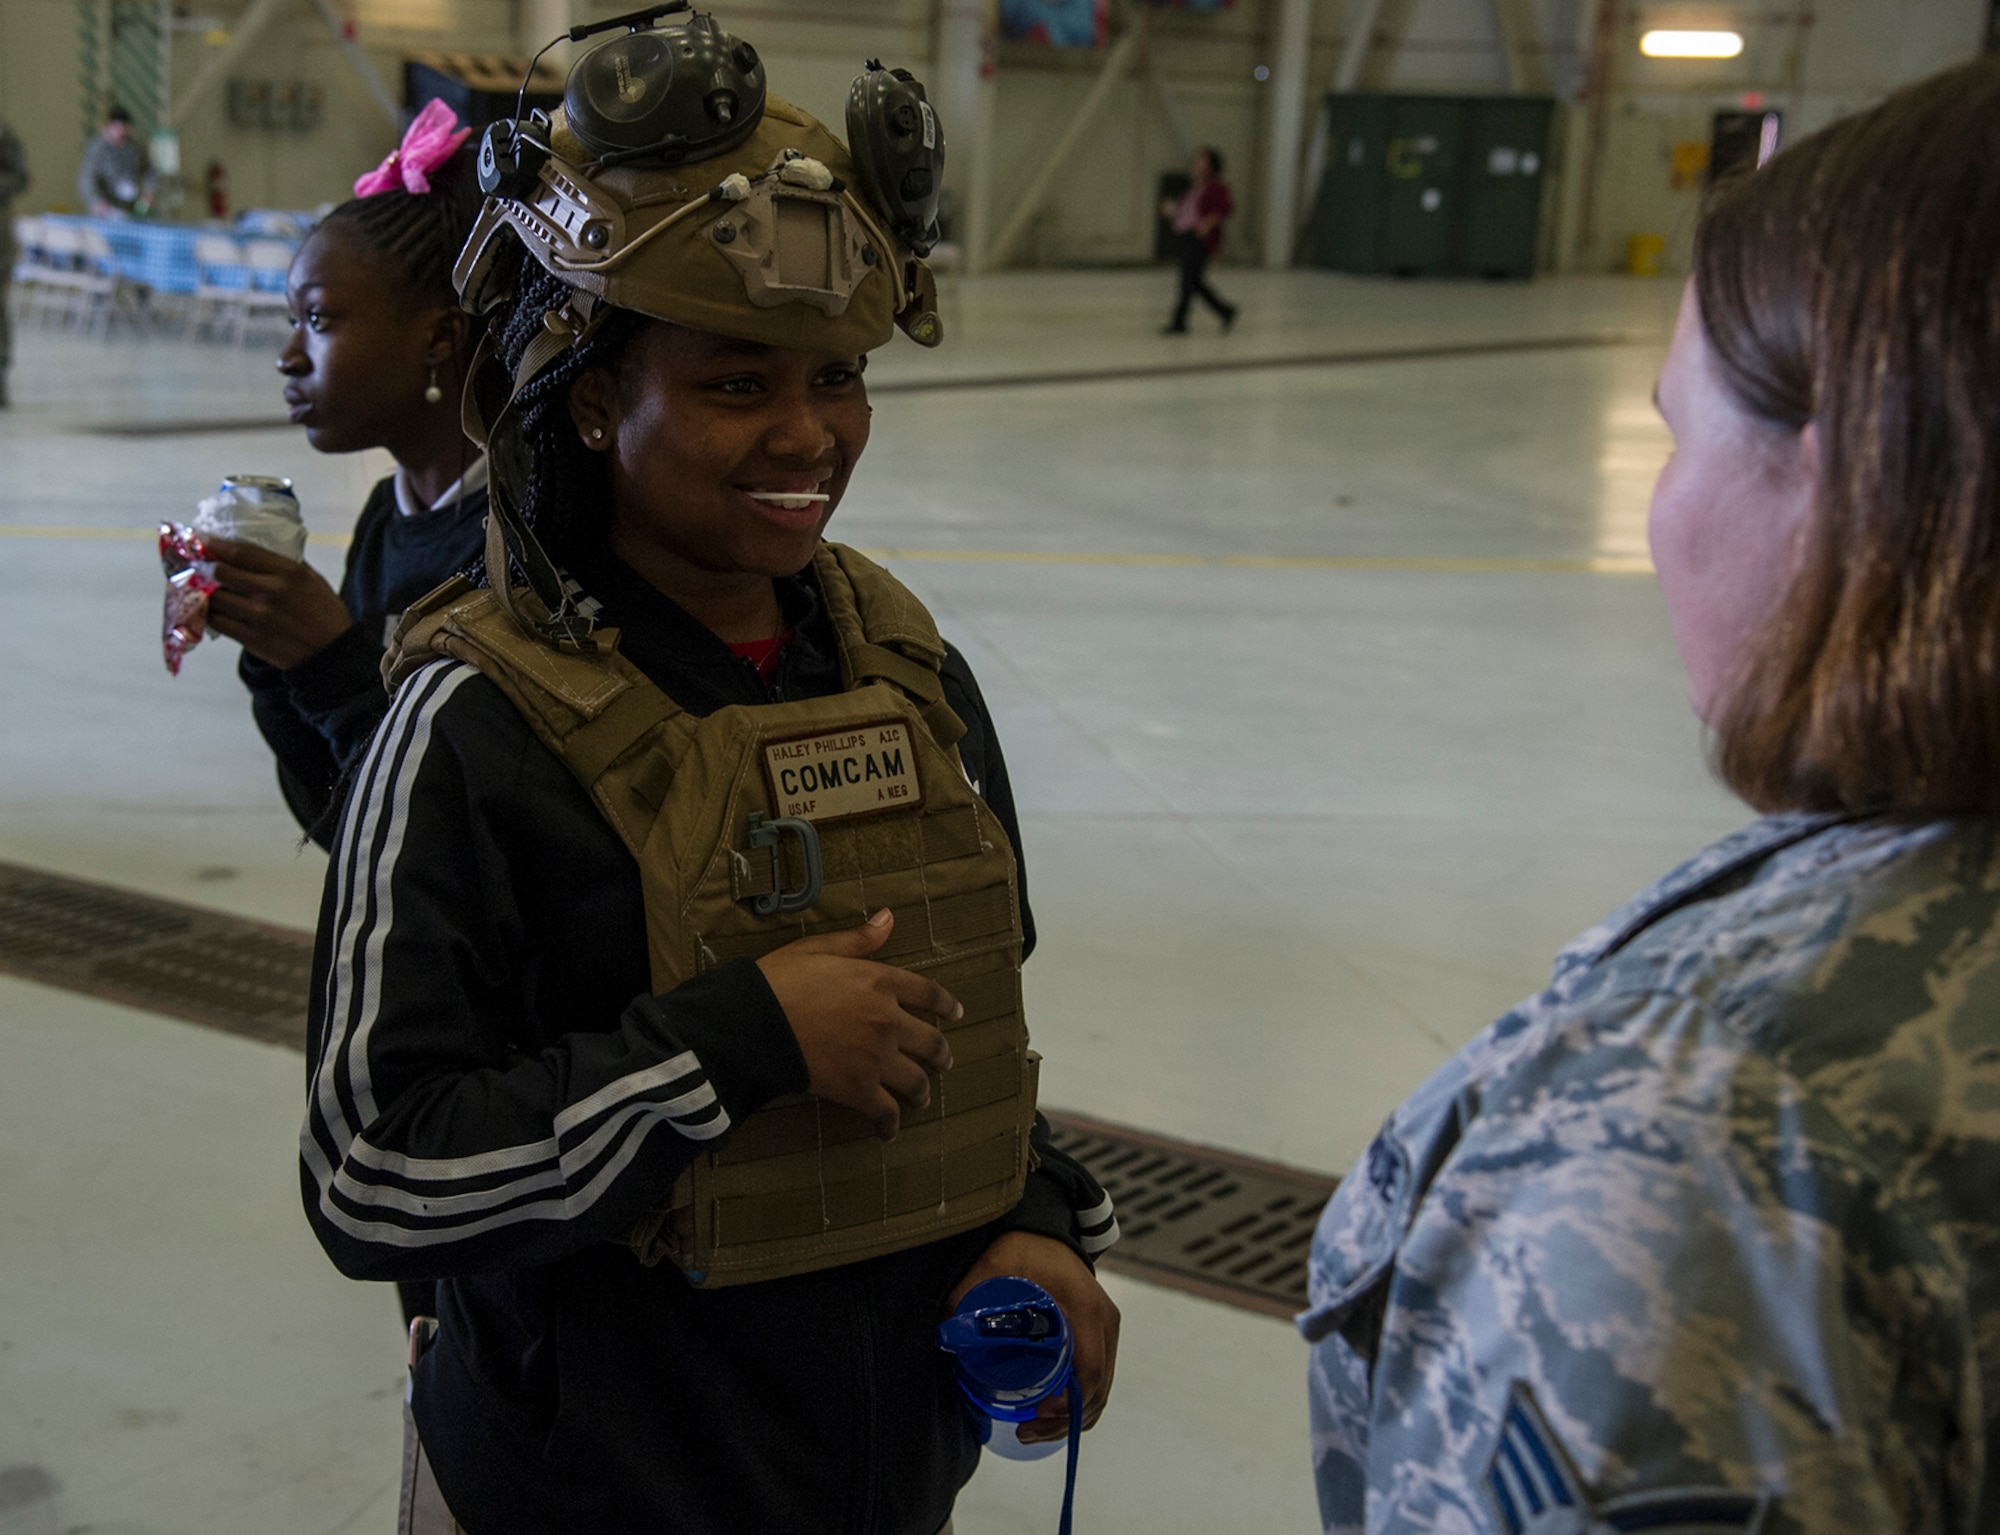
pixel 671 183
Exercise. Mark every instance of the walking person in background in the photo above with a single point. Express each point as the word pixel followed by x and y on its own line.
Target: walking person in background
pixel 13 182
pixel 1703 1237
pixel 1198 219
pixel 117 174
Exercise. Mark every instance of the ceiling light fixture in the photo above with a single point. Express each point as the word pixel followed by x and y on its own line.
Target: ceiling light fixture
pixel 1691 45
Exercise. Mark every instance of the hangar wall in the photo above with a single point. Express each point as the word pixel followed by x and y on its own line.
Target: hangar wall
pixel 1814 59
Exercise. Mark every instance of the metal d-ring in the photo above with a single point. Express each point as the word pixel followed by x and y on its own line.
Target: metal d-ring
pixel 771 834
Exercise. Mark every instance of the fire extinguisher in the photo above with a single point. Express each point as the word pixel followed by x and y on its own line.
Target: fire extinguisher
pixel 218 190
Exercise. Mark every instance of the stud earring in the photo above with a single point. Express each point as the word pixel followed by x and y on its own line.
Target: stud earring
pixel 432 394
pixel 597 434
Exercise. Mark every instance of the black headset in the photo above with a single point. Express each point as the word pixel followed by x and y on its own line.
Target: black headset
pixel 663 95
pixel 898 151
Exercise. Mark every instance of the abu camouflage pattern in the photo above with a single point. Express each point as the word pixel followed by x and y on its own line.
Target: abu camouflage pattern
pixel 1706 1236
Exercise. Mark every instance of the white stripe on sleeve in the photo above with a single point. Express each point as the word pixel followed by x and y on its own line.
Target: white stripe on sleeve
pixel 382 1196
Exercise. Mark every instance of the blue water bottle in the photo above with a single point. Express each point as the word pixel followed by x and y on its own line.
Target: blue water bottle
pixel 1011 1343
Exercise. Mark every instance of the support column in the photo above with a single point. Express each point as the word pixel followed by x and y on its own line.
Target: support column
pixel 1284 130
pixel 979 185
pixel 93 64
pixel 1603 67
pixel 962 90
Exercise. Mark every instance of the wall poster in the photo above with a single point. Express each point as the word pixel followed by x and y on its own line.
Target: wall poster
pixel 1058 23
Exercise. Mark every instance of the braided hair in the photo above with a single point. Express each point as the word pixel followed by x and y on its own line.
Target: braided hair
pixel 422 232
pixel 566 496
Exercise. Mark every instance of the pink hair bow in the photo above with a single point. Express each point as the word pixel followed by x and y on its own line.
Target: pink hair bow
pixel 429 143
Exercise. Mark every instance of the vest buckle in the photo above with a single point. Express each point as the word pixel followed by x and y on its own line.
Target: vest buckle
pixel 779 901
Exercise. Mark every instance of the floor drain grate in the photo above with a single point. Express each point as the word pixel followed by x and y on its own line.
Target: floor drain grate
pixel 185 961
pixel 1224 1226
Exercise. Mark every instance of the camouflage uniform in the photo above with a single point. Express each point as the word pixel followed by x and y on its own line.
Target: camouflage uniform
pixel 116 174
pixel 1707 1235
pixel 13 182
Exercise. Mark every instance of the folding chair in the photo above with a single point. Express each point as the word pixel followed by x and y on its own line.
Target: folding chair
pixel 222 280
pixel 58 276
pixel 99 283
pixel 25 290
pixel 263 298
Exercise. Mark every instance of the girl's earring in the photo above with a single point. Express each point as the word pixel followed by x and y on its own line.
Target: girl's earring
pixel 432 394
pixel 597 434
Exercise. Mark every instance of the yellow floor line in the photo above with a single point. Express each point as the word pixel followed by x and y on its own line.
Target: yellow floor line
pixel 30 530
pixel 1595 565
pixel 1033 557
pixel 127 535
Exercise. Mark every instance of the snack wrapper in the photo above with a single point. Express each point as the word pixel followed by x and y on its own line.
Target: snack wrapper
pixel 248 509
pixel 190 580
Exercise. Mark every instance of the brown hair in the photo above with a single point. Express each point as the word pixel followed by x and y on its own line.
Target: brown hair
pixel 1855 282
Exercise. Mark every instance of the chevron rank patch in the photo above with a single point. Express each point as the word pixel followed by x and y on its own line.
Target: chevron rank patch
pixel 1532 1489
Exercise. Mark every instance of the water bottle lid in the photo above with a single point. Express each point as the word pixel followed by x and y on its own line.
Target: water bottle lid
pixel 1011 1343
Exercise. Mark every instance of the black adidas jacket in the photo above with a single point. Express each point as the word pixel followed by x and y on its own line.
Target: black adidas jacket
pixel 317 717
pixel 495 1097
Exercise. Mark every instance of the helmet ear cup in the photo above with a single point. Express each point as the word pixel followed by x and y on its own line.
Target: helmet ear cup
pixel 898 149
pixel 661 96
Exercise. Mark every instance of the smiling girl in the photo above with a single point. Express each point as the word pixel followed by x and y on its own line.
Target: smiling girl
pixel 702 1100
pixel 376 359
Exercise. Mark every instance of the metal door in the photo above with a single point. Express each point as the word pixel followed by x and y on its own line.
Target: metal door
pixel 1507 147
pixel 1420 210
pixel 1347 213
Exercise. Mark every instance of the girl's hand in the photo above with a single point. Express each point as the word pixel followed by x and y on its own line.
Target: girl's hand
pixel 1093 1321
pixel 281 611
pixel 864 1028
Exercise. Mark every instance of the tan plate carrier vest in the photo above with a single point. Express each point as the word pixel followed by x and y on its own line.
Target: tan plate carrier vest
pixel 802 1184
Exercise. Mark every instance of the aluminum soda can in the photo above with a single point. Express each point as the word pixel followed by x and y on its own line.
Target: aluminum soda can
pixel 256 509
pixel 261 489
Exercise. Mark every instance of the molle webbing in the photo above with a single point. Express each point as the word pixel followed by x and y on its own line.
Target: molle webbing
pixel 895 642
pixel 807 1177
pixel 802 1184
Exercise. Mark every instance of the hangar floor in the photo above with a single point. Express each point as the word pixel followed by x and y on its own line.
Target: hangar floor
pixel 1336 695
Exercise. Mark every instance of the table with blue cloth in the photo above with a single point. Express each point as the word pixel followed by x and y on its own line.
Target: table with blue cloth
pixel 160 257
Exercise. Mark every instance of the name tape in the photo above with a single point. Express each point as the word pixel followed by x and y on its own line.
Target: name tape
pixel 860 770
